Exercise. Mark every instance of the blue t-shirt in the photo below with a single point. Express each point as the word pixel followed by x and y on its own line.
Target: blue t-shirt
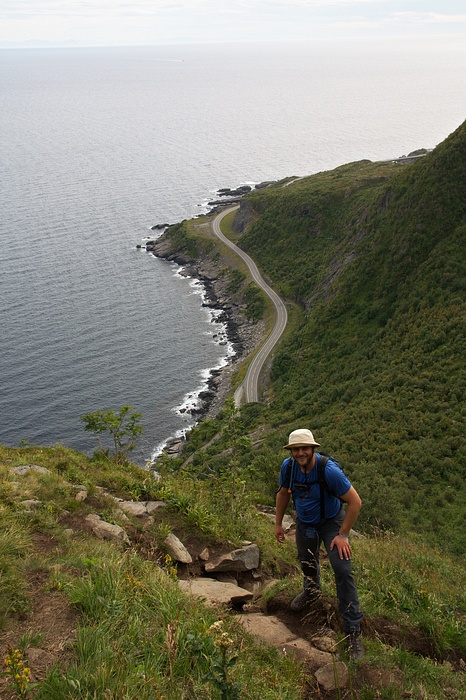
pixel 307 501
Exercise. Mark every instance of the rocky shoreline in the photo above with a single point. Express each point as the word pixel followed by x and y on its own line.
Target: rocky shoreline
pixel 241 334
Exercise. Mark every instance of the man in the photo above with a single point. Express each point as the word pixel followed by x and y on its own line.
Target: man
pixel 299 477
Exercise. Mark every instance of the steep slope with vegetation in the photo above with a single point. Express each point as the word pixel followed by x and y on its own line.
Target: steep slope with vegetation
pixel 374 254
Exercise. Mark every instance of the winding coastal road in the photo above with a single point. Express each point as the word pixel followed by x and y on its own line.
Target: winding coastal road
pixel 248 391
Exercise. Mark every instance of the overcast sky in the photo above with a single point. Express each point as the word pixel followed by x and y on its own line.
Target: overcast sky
pixel 139 22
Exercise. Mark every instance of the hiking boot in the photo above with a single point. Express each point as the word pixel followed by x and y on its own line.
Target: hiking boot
pixel 301 600
pixel 354 646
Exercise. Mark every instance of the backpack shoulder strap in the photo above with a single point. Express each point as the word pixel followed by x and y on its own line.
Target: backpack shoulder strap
pixel 321 464
pixel 289 474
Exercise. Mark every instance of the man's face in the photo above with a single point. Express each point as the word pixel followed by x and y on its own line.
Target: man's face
pixel 303 455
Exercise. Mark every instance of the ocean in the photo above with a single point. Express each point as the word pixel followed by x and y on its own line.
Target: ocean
pixel 99 145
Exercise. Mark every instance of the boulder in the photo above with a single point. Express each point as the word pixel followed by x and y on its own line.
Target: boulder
pixel 174 446
pixel 267 628
pixel 133 508
pixel 205 554
pixel 244 559
pixel 214 591
pixel 332 676
pixel 288 521
pixel 177 550
pixel 31 503
pixel 106 531
pixel 25 468
pixel 315 658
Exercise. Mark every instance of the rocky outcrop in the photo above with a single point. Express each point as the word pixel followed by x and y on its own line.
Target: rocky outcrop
pixel 243 217
pixel 223 203
pixel 238 192
pixel 263 185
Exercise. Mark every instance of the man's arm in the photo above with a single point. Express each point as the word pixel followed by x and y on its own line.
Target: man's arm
pixel 353 500
pixel 281 504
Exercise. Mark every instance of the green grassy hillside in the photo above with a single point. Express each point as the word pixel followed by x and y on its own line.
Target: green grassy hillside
pixel 83 618
pixel 374 255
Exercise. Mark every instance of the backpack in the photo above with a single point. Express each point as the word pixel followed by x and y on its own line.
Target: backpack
pixel 321 464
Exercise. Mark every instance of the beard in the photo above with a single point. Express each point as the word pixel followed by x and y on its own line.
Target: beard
pixel 305 462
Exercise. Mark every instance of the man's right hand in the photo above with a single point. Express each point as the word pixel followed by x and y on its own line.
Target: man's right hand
pixel 279 533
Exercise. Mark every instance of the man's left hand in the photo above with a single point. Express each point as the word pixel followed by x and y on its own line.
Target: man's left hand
pixel 343 546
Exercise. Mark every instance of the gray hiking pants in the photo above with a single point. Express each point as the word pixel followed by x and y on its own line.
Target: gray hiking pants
pixel 308 541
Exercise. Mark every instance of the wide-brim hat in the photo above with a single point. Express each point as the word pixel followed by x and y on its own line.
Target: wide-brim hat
pixel 301 438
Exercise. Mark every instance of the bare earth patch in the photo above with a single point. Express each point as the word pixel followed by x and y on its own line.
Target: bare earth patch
pixel 51 620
